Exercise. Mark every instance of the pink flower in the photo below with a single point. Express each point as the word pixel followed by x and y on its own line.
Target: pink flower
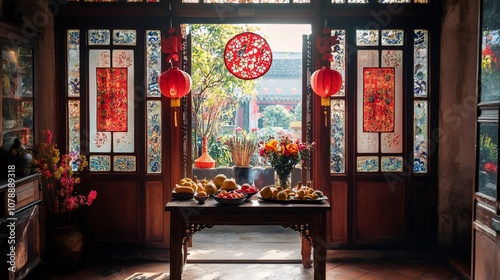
pixel 59 180
pixel 490 167
pixel 90 198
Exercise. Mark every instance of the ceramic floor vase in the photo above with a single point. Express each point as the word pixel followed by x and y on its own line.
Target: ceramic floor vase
pixel 64 247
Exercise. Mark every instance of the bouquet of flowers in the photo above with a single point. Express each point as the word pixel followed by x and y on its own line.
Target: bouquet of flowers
pixel 284 153
pixel 59 181
pixel 242 146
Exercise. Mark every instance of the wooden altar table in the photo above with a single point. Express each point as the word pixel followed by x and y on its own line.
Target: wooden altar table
pixel 188 217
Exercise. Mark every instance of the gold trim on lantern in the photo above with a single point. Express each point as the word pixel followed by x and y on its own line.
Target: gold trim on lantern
pixel 175 102
pixel 325 101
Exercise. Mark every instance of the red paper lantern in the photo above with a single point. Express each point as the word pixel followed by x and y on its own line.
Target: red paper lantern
pixel 325 83
pixel 174 84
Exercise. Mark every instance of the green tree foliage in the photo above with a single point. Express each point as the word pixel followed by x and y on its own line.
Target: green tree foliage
pixel 215 91
pixel 297 112
pixel 276 116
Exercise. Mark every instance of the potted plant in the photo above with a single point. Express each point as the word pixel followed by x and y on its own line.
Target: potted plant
pixel 61 200
pixel 242 146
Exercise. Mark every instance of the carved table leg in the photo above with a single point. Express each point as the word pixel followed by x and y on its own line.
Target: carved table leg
pixel 185 250
pixel 306 253
pixel 177 233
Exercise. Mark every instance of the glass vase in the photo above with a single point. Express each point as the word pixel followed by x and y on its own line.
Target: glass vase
pixel 283 180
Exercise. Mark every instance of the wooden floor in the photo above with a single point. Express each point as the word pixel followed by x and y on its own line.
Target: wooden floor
pixel 227 253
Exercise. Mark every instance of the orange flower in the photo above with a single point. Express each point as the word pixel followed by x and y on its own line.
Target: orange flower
pixel 271 145
pixel 292 149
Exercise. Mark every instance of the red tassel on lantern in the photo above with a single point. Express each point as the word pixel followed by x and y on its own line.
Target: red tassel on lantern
pixel 174 84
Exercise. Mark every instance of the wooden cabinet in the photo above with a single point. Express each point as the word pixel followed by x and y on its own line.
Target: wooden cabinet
pixel 21 226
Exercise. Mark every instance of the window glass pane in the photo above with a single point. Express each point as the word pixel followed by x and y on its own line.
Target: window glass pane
pixel 99 37
pixel 367 37
pixel 124 141
pixel 73 49
pixel 272 104
pixel 391 164
pixel 153 62
pixel 98 141
pixel 488 158
pixel 420 63
pixel 367 164
pixel 154 136
pixel 124 37
pixel 337 148
pixel 25 85
pixel 393 142
pixel 392 37
pixel 99 163
pixel 490 54
pixel 124 163
pixel 366 142
pixel 74 126
pixel 339 58
pixel 421 142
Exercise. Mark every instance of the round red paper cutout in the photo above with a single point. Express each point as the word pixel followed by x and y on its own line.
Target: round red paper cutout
pixel 248 56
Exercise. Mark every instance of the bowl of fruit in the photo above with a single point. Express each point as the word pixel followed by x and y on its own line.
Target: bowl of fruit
pixel 230 197
pixel 201 197
pixel 249 190
pixel 182 192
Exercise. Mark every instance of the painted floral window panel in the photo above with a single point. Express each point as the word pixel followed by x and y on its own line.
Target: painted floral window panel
pixel 154 150
pixel 421 134
pixel 337 140
pixel 74 126
pixel 99 141
pixel 367 142
pixel 392 37
pixel 153 62
pixel 392 142
pixel 368 37
pixel 391 164
pixel 124 37
pixel 112 102
pixel 124 141
pixel 73 49
pixel 99 163
pixel 367 164
pixel 378 99
pixel 420 62
pixel 339 58
pixel 99 37
pixel 124 163
pixel 488 159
